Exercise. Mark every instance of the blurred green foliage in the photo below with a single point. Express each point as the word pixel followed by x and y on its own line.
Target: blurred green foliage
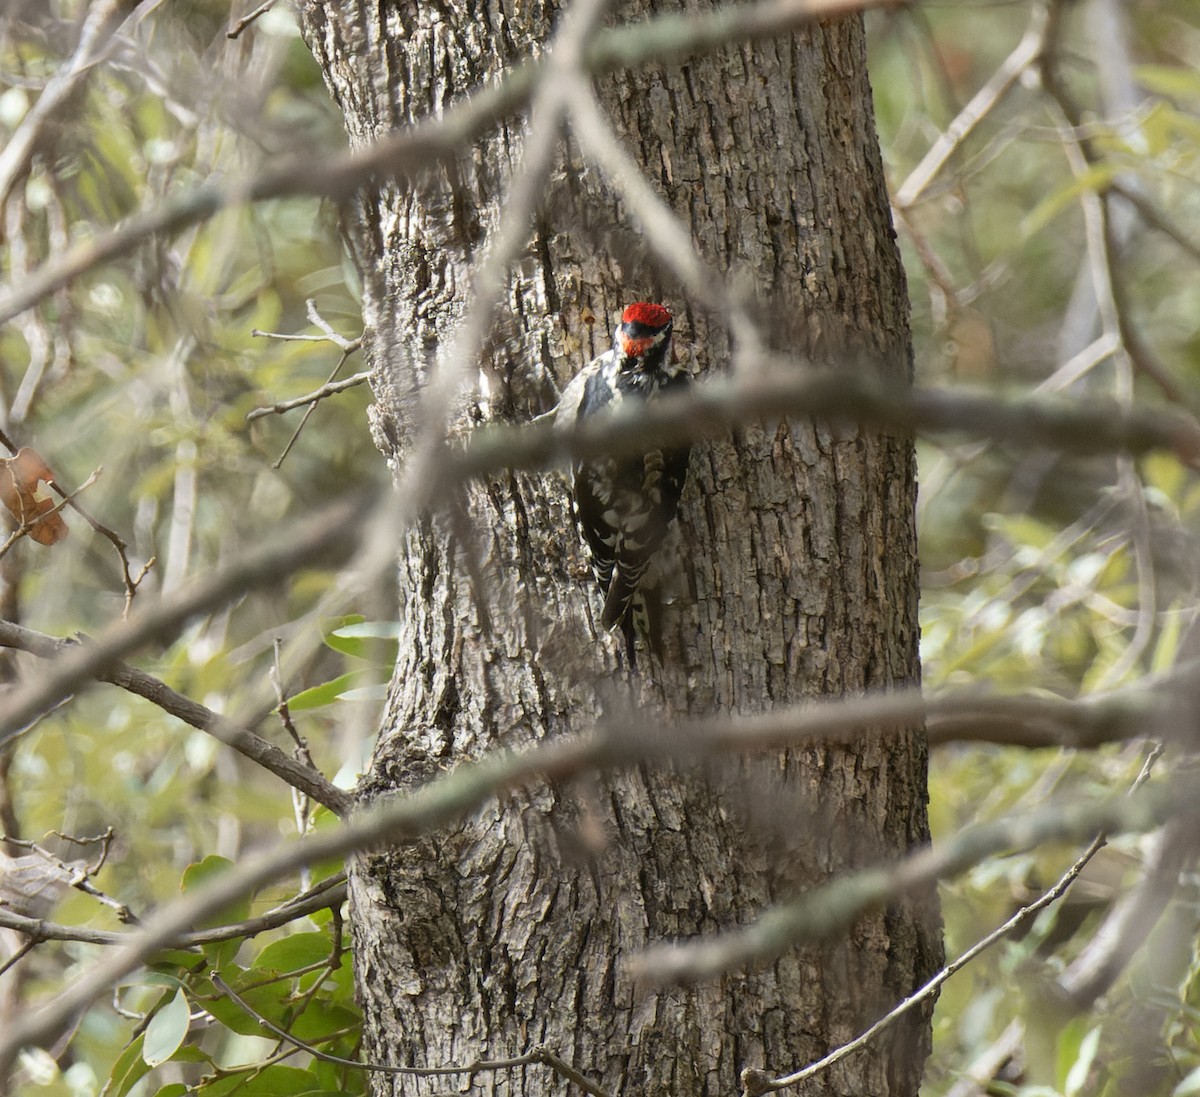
pixel 1039 572
pixel 146 368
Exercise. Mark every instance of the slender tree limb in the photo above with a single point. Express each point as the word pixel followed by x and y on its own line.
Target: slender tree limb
pixel 246 20
pixel 24 528
pixel 295 774
pixel 1019 919
pixel 668 237
pixel 324 537
pixel 981 105
pixel 708 408
pixel 834 906
pixel 330 388
pixel 1129 923
pixel 328 893
pixel 96 33
pixel 718 403
pixel 1156 218
pixel 118 542
pixel 405 154
pixel 450 797
pixel 1109 284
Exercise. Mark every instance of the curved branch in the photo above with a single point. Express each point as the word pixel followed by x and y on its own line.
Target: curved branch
pixel 320 538
pixel 405 154
pixel 330 892
pixel 301 777
pixel 403 818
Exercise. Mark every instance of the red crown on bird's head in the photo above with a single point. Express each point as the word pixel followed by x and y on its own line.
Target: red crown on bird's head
pixel 647 314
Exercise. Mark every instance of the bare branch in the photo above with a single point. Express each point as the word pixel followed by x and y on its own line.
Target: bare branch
pixel 834 906
pixel 246 20
pixel 792 389
pixel 1131 920
pixel 94 38
pixel 451 796
pixel 66 500
pixel 407 153
pixel 69 499
pixel 1156 219
pixel 312 400
pixel 304 778
pixel 321 537
pixel 330 892
pixel 707 408
pixel 981 105
pixel 1019 919
pixel 669 238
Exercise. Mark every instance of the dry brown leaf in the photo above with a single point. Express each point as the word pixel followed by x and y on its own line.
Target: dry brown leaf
pixel 19 479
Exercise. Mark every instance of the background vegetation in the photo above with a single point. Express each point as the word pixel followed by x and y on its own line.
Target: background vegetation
pixel 1056 247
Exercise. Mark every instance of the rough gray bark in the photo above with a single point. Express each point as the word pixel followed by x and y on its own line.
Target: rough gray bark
pixel 799 579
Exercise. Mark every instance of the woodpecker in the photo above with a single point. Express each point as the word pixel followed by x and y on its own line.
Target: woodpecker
pixel 624 505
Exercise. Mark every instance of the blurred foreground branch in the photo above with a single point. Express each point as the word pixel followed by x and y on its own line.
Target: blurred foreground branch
pixel 403 818
pixel 707 409
pixel 406 153
pixel 245 742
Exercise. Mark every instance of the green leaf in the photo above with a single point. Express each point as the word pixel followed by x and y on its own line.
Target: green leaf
pixel 321 1020
pixel 129 1068
pixel 1096 179
pixel 170 960
pixel 300 950
pixel 375 641
pixel 377 692
pixel 374 630
pixel 1190 1086
pixel 1174 81
pixel 175 1089
pixel 196 876
pixel 324 694
pixel 270 1001
pixel 166 1030
pixel 274 1081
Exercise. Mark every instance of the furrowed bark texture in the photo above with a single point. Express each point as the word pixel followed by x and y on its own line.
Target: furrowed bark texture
pixel 798 578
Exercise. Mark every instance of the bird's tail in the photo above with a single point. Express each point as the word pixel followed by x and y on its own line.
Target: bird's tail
pixel 637 608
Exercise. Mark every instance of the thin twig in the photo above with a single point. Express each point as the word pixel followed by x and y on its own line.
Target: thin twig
pixel 535 1055
pixel 306 779
pixel 329 388
pixel 320 537
pixel 982 103
pixel 832 907
pixel 23 950
pixel 300 802
pixel 1156 219
pixel 1019 919
pixel 405 154
pixel 449 797
pixel 95 36
pixel 78 877
pixel 67 500
pixel 668 237
pixel 236 30
pixel 707 409
pixel 329 893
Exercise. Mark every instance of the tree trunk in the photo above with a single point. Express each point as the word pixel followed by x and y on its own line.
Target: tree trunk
pixel 798 579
